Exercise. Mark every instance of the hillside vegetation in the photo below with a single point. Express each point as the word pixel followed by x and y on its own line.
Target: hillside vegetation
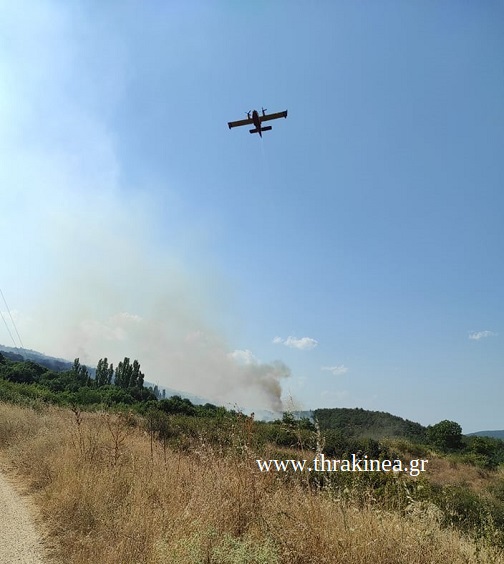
pixel 112 491
pixel 122 476
pixel 361 423
pixel 497 434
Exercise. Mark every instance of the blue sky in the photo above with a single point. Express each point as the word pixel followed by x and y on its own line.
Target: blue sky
pixel 352 257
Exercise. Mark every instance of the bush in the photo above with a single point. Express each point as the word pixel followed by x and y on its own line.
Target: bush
pixel 446 435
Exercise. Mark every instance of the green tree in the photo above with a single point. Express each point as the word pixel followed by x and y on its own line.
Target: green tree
pixel 176 404
pixel 129 375
pixel 84 376
pixel 76 368
pixel 26 372
pixel 110 374
pixel 137 377
pixel 80 373
pixel 445 435
pixel 123 373
pixel 102 373
pixel 487 450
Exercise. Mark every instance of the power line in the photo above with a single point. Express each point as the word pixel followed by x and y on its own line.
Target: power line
pixel 13 324
pixel 7 327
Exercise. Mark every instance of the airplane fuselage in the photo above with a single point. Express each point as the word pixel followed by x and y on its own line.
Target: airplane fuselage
pixel 257 121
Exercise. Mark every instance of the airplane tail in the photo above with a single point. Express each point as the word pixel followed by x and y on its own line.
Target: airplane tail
pixel 268 128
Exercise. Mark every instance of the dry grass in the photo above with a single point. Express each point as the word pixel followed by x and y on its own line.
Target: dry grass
pixel 106 498
pixel 445 472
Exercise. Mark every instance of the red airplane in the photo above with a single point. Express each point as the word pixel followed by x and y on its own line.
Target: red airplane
pixel 257 120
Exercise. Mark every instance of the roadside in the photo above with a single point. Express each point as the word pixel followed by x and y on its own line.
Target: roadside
pixel 20 541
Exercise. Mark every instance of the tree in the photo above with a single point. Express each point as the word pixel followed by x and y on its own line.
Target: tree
pixel 176 404
pixel 26 372
pixel 76 368
pixel 445 435
pixel 129 375
pixel 123 373
pixel 110 374
pixel 137 377
pixel 84 376
pixel 80 373
pixel 102 372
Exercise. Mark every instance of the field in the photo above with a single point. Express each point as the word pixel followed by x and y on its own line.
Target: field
pixel 109 491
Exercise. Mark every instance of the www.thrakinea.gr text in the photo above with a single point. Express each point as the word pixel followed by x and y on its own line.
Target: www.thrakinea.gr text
pixel 352 464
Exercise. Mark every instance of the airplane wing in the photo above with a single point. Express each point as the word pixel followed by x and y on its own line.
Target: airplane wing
pixel 240 122
pixel 273 116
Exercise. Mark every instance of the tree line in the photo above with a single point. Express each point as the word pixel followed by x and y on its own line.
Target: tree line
pixel 343 430
pixel 105 384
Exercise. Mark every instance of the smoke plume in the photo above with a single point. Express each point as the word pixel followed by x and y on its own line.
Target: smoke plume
pixel 99 266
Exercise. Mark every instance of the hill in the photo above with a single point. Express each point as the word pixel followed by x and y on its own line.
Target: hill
pixel 49 362
pixel 360 423
pixel 491 434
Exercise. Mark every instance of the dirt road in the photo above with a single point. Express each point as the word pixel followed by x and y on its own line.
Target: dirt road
pixel 19 540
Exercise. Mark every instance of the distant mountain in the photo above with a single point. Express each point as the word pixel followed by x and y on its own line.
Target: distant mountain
pixel 50 362
pixel 361 423
pixel 492 434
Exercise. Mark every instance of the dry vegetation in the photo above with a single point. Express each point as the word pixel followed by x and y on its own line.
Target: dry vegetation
pixel 109 496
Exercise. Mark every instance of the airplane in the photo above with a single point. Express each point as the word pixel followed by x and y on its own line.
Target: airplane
pixel 257 120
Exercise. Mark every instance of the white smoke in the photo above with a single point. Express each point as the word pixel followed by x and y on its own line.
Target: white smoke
pixel 86 260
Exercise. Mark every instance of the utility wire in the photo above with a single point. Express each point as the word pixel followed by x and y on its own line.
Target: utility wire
pixel 13 324
pixel 7 327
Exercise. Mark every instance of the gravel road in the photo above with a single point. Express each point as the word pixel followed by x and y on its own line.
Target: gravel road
pixel 19 540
